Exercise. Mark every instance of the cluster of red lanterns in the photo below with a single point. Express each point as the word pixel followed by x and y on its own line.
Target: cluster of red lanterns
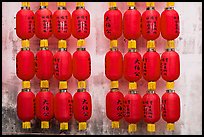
pixel 150 24
pixel 132 107
pixel 45 105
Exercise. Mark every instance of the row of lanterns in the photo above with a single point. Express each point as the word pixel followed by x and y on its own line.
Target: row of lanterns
pixel 132 107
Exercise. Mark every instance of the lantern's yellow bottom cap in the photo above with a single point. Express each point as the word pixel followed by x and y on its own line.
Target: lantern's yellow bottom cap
pixel 151 127
pixel 112 4
pixel 132 43
pixel 80 4
pixel 26 125
pixel 132 85
pixel 113 43
pixel 80 42
pixel 44 124
pixel 44 84
pixel 132 128
pixel 63 85
pixel 25 43
pixel 170 85
pixel 62 43
pixel 43 42
pixel 151 85
pixel 170 127
pixel 115 124
pixel 151 43
pixel 170 43
pixel 82 125
pixel 114 84
pixel 64 126
pixel 81 84
pixel 25 84
pixel 130 4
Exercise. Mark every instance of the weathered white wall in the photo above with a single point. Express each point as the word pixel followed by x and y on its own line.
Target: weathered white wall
pixel 188 86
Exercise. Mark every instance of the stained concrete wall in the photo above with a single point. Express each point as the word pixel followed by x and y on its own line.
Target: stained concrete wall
pixel 188 86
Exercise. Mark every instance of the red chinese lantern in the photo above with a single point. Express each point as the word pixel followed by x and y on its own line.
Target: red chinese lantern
pixel 150 22
pixel 63 107
pixel 25 22
pixel 45 107
pixel 132 22
pixel 114 106
pixel 80 22
pixel 25 64
pixel 133 108
pixel 113 22
pixel 82 107
pixel 170 65
pixel 170 28
pixel 62 64
pixel 44 64
pixel 81 64
pixel 132 66
pixel 43 21
pixel 151 108
pixel 25 107
pixel 151 63
pixel 114 65
pixel 61 22
pixel 170 108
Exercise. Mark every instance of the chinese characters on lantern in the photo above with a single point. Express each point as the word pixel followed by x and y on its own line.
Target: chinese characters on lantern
pixel 151 24
pixel 62 24
pixel 47 23
pixel 148 109
pixel 82 24
pixel 108 25
pixel 45 107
